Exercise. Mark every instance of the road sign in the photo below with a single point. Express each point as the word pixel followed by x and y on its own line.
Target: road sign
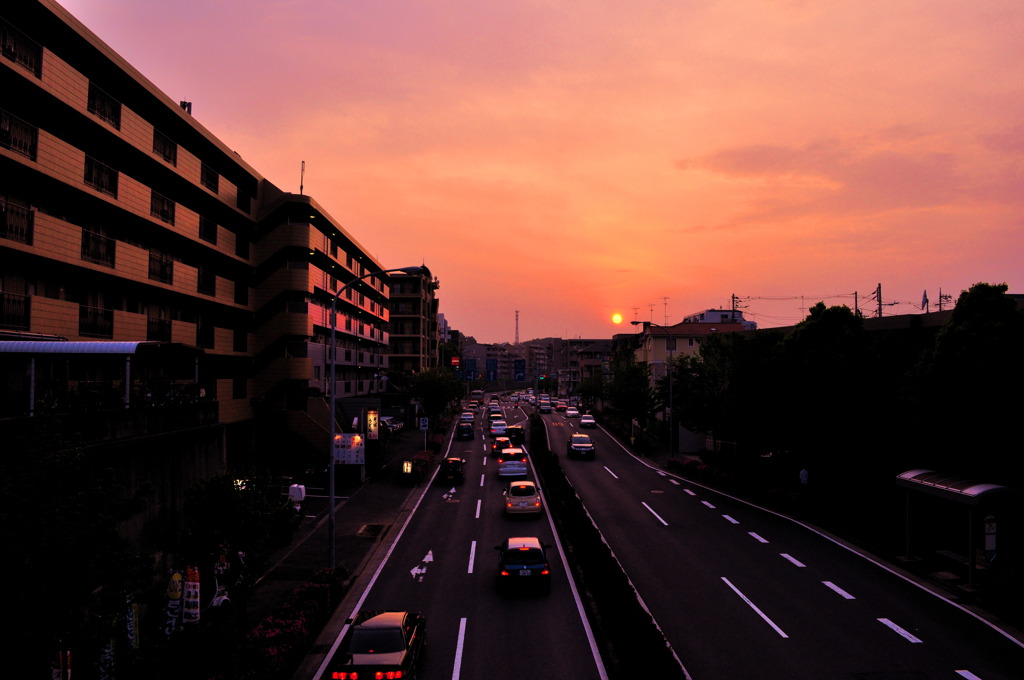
pixel 424 424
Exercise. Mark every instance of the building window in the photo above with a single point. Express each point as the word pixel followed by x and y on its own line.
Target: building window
pixel 15 311
pixel 95 322
pixel 207 280
pixel 18 136
pixel 239 387
pixel 241 293
pixel 242 247
pixel 165 147
pixel 208 230
pixel 161 208
pixel 244 202
pixel 205 335
pixel 21 49
pixel 241 340
pixel 98 247
pixel 158 330
pixel 16 221
pixel 100 176
pixel 209 178
pixel 104 106
pixel 161 267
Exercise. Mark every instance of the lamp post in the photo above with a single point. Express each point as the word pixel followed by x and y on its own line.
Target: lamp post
pixel 333 561
pixel 668 374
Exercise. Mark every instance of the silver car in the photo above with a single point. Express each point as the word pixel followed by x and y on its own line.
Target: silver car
pixel 523 498
pixel 513 463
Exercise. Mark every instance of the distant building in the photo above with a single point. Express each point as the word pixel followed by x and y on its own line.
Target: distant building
pixel 414 322
pixel 720 316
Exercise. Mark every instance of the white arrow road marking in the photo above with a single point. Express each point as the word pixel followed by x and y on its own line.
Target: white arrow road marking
pixel 421 569
pixel 451 494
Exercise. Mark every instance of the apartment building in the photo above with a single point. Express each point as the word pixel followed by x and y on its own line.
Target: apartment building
pixel 414 326
pixel 124 220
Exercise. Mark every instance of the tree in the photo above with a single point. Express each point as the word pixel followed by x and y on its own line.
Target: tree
pixel 966 393
pixel 629 391
pixel 437 389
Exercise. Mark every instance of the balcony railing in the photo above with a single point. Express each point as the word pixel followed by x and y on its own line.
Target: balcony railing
pixel 16 222
pixel 15 311
pixel 94 322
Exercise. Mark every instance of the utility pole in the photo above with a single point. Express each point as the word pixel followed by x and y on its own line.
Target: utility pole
pixel 517 330
pixel 878 299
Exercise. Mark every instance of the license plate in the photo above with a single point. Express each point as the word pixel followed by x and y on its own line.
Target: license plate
pixel 526 572
pixel 522 504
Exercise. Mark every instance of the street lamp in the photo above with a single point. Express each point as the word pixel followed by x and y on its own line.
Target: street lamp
pixel 334 357
pixel 668 373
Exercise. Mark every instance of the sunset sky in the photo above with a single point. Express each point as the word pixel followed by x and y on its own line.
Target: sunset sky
pixel 576 159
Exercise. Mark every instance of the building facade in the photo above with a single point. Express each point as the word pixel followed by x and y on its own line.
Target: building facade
pixel 123 219
pixel 414 322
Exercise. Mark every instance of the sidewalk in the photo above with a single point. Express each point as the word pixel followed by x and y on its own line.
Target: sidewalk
pixel 364 518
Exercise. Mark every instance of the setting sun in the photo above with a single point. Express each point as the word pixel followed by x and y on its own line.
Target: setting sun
pixel 616 318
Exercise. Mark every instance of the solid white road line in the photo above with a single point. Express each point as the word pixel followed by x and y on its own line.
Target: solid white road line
pixel 610 472
pixel 654 513
pixel 458 649
pixel 754 607
pixel 472 556
pixel 842 593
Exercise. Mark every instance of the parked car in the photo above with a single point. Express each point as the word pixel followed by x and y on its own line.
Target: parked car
pixel 587 420
pixel 381 644
pixel 580 446
pixel 523 498
pixel 464 430
pixel 523 562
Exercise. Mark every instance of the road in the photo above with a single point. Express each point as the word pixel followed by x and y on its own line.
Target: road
pixel 737 590
pixel 742 592
pixel 444 565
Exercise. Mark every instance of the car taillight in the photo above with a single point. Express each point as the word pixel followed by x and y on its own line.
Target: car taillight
pixel 503 573
pixel 545 572
pixel 387 675
pixel 344 675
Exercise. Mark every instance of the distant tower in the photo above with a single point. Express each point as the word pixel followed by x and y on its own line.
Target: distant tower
pixel 517 328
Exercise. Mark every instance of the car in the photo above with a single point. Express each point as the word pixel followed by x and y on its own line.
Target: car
pixel 464 430
pixel 516 433
pixel 580 446
pixel 572 412
pixel 467 416
pixel 587 420
pixel 523 498
pixel 561 406
pixel 391 423
pixel 498 428
pixel 383 644
pixel 452 470
pixel 513 463
pixel 544 407
pixel 500 443
pixel 496 415
pixel 523 562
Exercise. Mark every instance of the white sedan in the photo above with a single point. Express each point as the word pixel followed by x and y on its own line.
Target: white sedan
pixel 572 412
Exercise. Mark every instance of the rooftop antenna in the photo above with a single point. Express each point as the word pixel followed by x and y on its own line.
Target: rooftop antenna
pixel 302 176
pixel 664 301
pixel 517 328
